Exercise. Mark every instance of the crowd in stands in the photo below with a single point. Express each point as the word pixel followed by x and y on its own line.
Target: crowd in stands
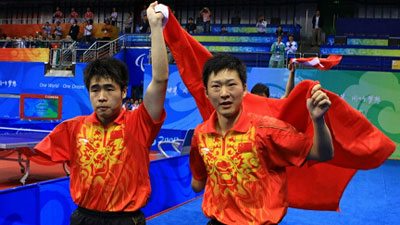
pixel 63 28
pixel 131 103
pixel 82 29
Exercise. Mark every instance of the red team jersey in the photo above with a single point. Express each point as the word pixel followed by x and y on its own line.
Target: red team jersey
pixel 109 166
pixel 357 143
pixel 245 170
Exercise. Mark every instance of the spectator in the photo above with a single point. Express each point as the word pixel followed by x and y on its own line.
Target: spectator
pixel 74 30
pixel 144 26
pixel 128 23
pixel 8 43
pixel 40 41
pixel 58 30
pixel 30 42
pixel 135 104
pixel 88 15
pixel 143 13
pixel 87 33
pixel 114 16
pixel 236 18
pixel 291 45
pixel 47 29
pixel 261 90
pixel 73 15
pixel 191 27
pixel 57 15
pixel 20 42
pixel 223 30
pixel 277 53
pixel 279 31
pixel 317 24
pixel 261 25
pixel 206 16
pixel 107 29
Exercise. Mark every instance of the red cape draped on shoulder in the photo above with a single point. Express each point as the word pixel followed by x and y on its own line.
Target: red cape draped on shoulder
pixel 357 143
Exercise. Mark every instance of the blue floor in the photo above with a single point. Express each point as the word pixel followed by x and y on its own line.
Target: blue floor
pixel 371 198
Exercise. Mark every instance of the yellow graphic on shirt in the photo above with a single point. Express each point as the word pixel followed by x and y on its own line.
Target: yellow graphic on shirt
pixel 99 154
pixel 234 170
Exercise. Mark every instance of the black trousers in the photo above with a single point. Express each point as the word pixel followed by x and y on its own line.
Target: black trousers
pixel 214 222
pixel 82 216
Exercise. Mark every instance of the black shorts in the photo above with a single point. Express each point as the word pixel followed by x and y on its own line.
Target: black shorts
pixel 82 216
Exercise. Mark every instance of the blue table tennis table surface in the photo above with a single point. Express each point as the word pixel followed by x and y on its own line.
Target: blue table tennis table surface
pixel 16 139
pixel 13 140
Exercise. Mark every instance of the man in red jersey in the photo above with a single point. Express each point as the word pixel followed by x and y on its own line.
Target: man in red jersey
pixel 108 151
pixel 357 143
pixel 240 157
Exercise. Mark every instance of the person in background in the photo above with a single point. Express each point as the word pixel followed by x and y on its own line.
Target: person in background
pixel 143 13
pixel 191 27
pixel 114 17
pixel 205 14
pixel 73 15
pixel 263 90
pixel 144 26
pixel 236 18
pixel 135 105
pixel 261 25
pixel 260 89
pixel 317 23
pixel 47 30
pixel 277 53
pixel 58 30
pixel 128 23
pixel 291 45
pixel 107 29
pixel 74 30
pixel 223 30
pixel 88 15
pixel 87 33
pixel 58 15
pixel 279 31
pixel 108 151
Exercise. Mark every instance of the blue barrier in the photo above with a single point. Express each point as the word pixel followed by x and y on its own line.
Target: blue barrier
pixel 369 27
pixel 50 203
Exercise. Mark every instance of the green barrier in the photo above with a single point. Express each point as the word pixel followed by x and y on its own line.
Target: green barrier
pixel 374 94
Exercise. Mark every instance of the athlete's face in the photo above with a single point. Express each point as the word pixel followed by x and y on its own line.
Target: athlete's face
pixel 106 97
pixel 225 91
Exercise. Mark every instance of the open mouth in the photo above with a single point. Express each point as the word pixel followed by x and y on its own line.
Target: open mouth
pixel 226 104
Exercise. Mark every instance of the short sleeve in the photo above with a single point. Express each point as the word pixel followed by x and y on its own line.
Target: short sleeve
pixel 196 161
pixel 281 145
pixel 142 126
pixel 56 145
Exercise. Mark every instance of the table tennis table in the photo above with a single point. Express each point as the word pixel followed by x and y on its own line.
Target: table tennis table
pixel 16 139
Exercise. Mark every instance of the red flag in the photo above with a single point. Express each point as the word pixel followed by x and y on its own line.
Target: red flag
pixel 357 143
pixel 319 63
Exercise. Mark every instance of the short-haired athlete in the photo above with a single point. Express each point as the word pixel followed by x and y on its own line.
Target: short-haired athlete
pixel 108 151
pixel 240 157
pixel 357 143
